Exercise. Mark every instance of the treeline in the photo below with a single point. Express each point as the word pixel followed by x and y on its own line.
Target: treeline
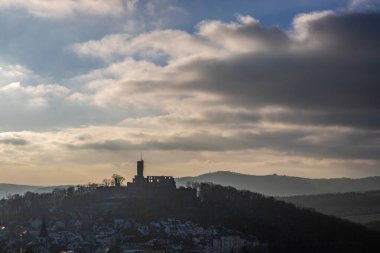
pixel 283 226
pixel 17 209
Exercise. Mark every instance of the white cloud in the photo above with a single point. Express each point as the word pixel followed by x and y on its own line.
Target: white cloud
pixel 14 73
pixel 37 103
pixel 145 67
pixel 301 23
pixel 132 4
pixel 212 39
pixel 41 89
pixel 146 15
pixel 58 9
pixel 363 5
pixel 27 98
pixel 153 45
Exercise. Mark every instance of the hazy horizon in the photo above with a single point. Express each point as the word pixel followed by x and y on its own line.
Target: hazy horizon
pixel 253 87
pixel 129 179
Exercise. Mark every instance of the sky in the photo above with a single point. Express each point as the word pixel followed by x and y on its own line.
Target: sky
pixel 256 87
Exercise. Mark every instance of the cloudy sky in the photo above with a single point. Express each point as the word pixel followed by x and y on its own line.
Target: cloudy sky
pixel 251 86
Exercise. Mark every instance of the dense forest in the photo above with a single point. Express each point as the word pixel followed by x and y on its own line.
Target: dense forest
pixel 283 226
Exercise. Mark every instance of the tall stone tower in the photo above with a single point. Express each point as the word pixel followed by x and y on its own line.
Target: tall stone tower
pixel 140 169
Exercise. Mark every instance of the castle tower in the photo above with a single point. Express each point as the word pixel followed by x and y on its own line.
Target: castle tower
pixel 140 170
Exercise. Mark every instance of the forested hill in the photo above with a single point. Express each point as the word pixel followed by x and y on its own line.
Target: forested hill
pixel 275 185
pixel 363 207
pixel 284 227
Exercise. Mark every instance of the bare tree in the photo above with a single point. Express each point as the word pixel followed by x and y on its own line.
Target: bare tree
pixel 107 182
pixel 117 180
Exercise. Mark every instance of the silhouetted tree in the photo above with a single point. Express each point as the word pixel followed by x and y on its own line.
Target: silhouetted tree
pixel 107 182
pixel 117 180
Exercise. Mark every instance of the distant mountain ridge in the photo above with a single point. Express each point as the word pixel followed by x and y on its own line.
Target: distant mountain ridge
pixel 271 185
pixel 10 189
pixel 275 185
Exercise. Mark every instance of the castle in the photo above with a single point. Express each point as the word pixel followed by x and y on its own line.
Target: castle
pixel 149 182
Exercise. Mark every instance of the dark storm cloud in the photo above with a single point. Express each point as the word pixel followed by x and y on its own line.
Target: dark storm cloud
pixel 361 119
pixel 365 120
pixel 324 73
pixel 110 145
pixel 14 141
pixel 332 74
pixel 352 145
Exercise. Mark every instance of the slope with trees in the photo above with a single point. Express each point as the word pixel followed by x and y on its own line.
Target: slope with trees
pixel 283 226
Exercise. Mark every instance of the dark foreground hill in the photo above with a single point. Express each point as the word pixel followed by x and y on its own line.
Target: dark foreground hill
pixel 290 229
pixel 363 207
pixel 283 226
pixel 274 185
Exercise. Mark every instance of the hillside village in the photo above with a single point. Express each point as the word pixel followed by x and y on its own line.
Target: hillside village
pixel 121 235
pixel 101 230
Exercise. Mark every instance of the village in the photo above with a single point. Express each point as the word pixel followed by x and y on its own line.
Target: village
pixel 99 229
pixel 122 236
